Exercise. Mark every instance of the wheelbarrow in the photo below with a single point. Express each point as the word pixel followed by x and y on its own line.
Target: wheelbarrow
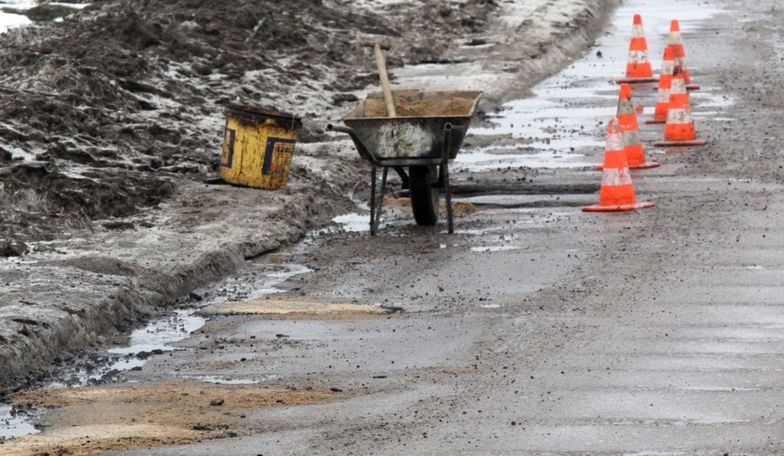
pixel 418 143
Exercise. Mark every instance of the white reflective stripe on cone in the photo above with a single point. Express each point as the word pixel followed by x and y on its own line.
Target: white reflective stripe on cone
pixel 678 86
pixel 615 177
pixel 625 107
pixel 638 56
pixel 614 142
pixel 668 67
pixel 638 31
pixel 678 116
pixel 664 96
pixel 675 38
pixel 631 137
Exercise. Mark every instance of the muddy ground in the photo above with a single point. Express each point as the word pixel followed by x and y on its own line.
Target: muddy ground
pixel 536 329
pixel 120 102
pixel 110 119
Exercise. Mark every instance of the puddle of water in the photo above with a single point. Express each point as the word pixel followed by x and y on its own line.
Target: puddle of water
pixel 160 333
pixel 354 222
pixel 562 124
pixel 159 336
pixel 719 389
pixel 491 306
pixel 127 364
pixel 495 248
pixel 504 233
pixel 357 222
pixel 253 284
pixel 492 158
pixel 707 99
pixel 656 453
pixel 12 425
pixel 511 201
pixel 233 381
pixel 289 271
pixel 156 337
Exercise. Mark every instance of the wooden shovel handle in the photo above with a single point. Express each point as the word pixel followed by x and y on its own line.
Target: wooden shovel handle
pixel 389 101
pixel 381 44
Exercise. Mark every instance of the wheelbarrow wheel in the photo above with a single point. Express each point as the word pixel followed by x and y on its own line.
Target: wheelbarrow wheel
pixel 424 195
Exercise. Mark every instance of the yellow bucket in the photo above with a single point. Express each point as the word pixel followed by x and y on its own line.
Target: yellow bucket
pixel 258 146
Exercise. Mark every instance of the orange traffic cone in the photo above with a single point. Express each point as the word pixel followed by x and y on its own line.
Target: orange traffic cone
pixel 627 122
pixel 639 68
pixel 665 83
pixel 630 131
pixel 675 40
pixel 679 130
pixel 617 191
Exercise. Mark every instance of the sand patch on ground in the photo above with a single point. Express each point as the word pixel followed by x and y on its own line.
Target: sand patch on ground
pixel 298 307
pixel 459 208
pixel 92 419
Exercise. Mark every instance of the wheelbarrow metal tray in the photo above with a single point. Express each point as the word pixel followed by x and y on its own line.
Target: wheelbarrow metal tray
pixel 417 133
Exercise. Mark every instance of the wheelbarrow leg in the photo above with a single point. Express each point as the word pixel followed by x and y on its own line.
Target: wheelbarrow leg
pixel 448 194
pixel 372 200
pixel 445 176
pixel 380 205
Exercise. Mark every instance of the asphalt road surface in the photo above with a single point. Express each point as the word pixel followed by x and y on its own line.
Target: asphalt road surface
pixel 538 329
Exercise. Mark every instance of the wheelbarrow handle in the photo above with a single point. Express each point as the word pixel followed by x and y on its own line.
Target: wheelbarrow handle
pixel 339 129
pixel 454 130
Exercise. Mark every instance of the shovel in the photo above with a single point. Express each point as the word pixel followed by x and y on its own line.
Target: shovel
pixel 382 73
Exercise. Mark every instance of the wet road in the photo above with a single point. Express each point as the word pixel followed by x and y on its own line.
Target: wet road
pixel 538 329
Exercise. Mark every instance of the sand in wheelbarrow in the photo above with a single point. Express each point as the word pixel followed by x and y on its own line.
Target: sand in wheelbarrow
pixel 408 106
